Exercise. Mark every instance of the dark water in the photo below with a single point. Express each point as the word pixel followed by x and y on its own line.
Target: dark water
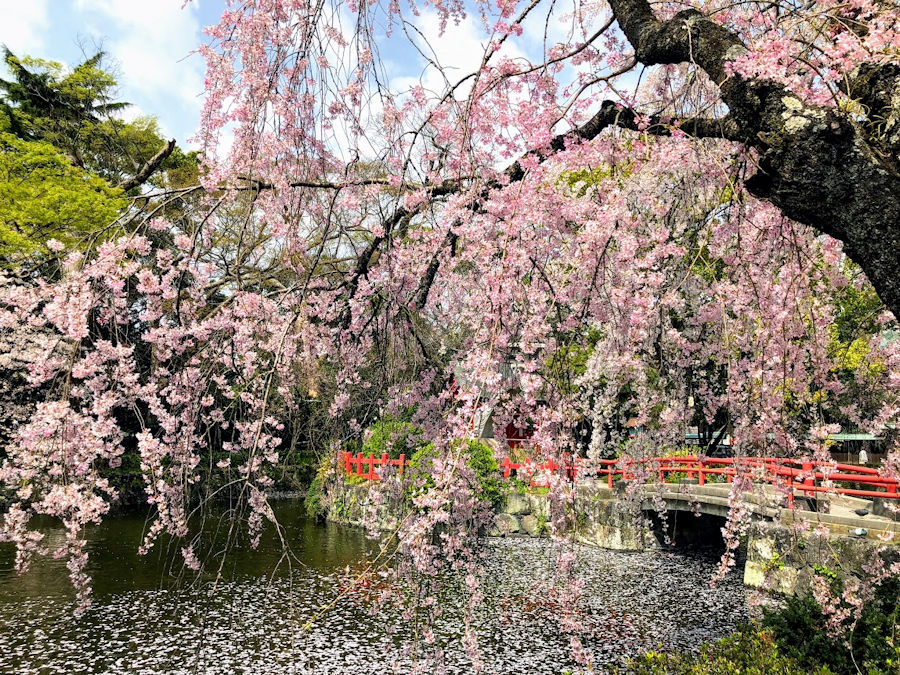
pixel 150 617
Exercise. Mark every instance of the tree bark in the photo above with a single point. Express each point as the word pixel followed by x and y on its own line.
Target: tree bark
pixel 148 168
pixel 819 165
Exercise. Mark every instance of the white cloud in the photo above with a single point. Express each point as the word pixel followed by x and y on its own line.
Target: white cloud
pixel 152 47
pixel 457 52
pixel 24 24
pixel 460 50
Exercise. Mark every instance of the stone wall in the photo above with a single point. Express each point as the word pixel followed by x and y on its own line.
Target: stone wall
pixel 600 517
pixel 524 514
pixel 779 558
pixel 353 505
pixel 784 560
pixel 604 520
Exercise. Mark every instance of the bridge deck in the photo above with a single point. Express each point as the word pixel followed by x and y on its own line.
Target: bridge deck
pixel 767 502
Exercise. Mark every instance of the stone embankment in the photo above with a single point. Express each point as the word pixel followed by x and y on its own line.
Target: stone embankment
pixel 783 550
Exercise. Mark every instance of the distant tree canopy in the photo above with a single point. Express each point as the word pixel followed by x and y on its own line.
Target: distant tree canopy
pixel 68 162
pixel 43 196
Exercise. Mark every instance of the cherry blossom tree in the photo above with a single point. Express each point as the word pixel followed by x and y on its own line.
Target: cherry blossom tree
pixel 645 213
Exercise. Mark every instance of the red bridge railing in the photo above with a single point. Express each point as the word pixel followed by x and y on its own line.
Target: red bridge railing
pixel 353 464
pixel 791 474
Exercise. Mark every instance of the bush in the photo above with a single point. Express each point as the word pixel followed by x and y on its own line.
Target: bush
pixel 795 639
pixel 480 458
pixel 482 461
pixel 799 628
pixel 749 652
pixel 313 503
pixel 394 437
pixel 419 471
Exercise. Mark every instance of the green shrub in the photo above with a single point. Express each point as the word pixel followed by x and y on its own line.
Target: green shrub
pixel 419 471
pixel 313 501
pixel 422 457
pixel 799 628
pixel 517 485
pixel 795 640
pixel 394 437
pixel 480 458
pixel 748 652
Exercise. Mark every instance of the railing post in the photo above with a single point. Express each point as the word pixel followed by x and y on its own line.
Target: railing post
pixel 348 461
pixel 506 468
pixel 701 476
pixel 371 474
pixel 807 469
pixel 359 459
pixel 402 463
pixel 609 474
pixel 385 461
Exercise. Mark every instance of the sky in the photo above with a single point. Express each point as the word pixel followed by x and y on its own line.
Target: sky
pixel 150 45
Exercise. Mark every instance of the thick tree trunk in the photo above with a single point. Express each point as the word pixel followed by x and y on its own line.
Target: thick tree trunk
pixel 819 165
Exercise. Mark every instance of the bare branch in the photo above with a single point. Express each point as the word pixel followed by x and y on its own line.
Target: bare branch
pixel 148 168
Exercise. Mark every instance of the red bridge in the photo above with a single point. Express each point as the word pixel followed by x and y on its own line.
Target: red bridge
pixel 793 476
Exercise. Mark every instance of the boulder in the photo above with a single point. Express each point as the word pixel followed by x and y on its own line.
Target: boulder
pixel 517 504
pixel 531 526
pixel 504 523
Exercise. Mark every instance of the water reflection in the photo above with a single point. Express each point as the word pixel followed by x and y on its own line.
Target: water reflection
pixel 147 620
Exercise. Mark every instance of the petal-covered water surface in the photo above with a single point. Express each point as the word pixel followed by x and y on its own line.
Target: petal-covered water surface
pixel 145 619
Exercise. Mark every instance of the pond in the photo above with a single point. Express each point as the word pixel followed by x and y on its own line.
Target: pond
pixel 149 617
